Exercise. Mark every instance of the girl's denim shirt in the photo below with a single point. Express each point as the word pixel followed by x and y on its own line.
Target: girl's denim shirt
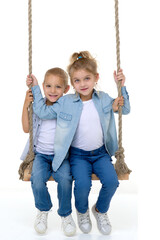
pixel 68 110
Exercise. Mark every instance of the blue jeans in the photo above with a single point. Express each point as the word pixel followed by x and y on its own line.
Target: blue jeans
pixel 41 172
pixel 83 164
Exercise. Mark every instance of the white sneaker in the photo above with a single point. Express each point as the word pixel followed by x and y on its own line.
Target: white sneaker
pixel 40 224
pixel 68 225
pixel 103 222
pixel 84 222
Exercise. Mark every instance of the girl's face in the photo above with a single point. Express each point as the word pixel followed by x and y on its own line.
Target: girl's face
pixel 84 82
pixel 54 88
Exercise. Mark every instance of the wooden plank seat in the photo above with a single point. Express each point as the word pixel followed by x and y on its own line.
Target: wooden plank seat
pixel 27 176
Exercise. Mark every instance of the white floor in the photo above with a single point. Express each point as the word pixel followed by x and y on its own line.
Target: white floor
pixel 17 213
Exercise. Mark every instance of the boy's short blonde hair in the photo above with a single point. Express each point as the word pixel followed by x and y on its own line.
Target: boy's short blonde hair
pixel 58 72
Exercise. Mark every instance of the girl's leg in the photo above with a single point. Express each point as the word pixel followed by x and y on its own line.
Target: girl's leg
pixel 64 188
pixel 104 169
pixel 81 170
pixel 41 172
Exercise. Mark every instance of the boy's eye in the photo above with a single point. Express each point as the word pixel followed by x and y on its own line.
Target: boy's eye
pixel 58 86
pixel 48 86
pixel 76 80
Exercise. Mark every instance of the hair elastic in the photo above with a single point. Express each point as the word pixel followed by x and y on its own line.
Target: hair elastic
pixel 79 57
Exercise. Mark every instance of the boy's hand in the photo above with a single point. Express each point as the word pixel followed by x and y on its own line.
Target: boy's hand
pixel 119 101
pixel 119 77
pixel 28 98
pixel 31 80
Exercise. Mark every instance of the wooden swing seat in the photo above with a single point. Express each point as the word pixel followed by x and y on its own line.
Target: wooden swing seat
pixel 27 176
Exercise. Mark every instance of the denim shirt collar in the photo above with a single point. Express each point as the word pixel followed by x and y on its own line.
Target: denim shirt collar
pixel 77 96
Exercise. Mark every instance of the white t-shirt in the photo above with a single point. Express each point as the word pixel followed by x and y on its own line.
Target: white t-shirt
pixel 45 141
pixel 89 134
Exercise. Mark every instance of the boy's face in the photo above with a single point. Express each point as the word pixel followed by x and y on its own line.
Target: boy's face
pixel 54 87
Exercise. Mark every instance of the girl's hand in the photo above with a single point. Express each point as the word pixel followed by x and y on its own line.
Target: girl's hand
pixel 119 101
pixel 28 98
pixel 119 77
pixel 31 79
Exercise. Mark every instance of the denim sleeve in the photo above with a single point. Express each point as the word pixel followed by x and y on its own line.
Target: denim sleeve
pixel 40 108
pixel 126 107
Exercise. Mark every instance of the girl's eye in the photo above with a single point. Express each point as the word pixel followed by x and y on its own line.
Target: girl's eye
pixel 48 86
pixel 58 86
pixel 87 78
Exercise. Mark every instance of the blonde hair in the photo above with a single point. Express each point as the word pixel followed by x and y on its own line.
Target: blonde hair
pixel 57 72
pixel 82 60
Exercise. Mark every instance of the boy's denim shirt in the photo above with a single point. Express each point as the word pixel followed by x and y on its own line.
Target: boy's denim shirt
pixel 68 110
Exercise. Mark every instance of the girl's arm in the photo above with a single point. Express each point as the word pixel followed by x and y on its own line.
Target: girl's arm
pixel 40 108
pixel 124 99
pixel 25 118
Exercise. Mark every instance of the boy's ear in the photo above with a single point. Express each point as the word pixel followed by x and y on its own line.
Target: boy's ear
pixel 43 86
pixel 66 89
pixel 97 77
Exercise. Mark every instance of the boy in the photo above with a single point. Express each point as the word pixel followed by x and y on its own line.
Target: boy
pixel 44 135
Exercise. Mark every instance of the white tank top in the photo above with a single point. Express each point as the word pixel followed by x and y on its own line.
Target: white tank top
pixel 45 141
pixel 89 134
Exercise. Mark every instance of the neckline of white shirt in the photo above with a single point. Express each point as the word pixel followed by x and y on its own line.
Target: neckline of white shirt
pixel 88 101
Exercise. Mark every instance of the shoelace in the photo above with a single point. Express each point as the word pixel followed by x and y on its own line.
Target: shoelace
pixel 103 218
pixel 67 220
pixel 84 218
pixel 41 217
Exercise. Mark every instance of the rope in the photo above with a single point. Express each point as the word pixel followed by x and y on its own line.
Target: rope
pixel 120 165
pixel 28 162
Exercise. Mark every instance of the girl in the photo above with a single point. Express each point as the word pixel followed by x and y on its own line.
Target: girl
pixel 85 121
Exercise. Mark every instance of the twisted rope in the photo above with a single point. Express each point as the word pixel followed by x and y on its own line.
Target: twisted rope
pixel 120 166
pixel 28 162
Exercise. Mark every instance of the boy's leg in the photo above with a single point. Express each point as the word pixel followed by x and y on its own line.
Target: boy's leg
pixel 64 192
pixel 104 169
pixel 41 172
pixel 64 180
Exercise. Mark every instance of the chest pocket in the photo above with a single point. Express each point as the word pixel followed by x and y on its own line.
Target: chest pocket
pixel 64 119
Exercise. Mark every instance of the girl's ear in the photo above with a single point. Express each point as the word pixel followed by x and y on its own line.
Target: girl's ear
pixel 66 89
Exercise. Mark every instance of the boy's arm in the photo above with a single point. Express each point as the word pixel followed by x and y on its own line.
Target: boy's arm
pixel 40 108
pixel 25 117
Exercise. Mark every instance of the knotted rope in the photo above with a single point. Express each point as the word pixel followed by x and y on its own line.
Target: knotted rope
pixel 120 166
pixel 28 162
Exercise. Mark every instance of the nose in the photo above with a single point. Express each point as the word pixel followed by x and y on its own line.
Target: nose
pixel 53 90
pixel 82 83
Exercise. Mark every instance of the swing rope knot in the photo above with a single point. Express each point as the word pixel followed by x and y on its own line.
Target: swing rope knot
pixel 26 165
pixel 120 165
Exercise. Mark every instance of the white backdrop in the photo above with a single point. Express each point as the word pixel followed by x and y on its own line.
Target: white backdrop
pixel 62 27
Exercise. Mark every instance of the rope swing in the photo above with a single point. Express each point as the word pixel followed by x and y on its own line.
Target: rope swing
pixel 26 166
pixel 121 168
